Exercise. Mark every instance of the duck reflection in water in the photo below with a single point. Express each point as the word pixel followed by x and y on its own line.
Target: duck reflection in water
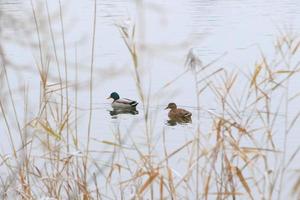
pixel 115 112
pixel 174 122
pixel 178 115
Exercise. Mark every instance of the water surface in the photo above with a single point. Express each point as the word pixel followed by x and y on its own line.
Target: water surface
pixel 165 32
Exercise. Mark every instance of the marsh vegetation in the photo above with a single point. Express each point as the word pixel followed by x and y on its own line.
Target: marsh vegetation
pixel 55 146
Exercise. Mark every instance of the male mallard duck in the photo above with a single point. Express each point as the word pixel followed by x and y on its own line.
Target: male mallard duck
pixel 178 114
pixel 121 103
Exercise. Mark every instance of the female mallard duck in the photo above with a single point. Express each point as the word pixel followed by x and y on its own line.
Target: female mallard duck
pixel 178 114
pixel 121 103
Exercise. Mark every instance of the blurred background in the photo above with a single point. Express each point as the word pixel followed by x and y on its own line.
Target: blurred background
pixel 48 48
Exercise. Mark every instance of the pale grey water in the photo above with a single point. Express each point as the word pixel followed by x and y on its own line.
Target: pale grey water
pixel 166 30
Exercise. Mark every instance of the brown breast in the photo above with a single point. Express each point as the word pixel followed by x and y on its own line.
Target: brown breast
pixel 179 113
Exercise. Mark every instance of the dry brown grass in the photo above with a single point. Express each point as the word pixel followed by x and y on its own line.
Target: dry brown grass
pixel 232 156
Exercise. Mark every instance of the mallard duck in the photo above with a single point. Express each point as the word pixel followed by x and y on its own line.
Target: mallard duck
pixel 178 114
pixel 122 104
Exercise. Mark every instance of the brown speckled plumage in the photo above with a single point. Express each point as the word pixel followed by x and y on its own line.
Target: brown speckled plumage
pixel 178 114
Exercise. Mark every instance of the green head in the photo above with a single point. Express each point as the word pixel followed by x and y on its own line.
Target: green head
pixel 114 96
